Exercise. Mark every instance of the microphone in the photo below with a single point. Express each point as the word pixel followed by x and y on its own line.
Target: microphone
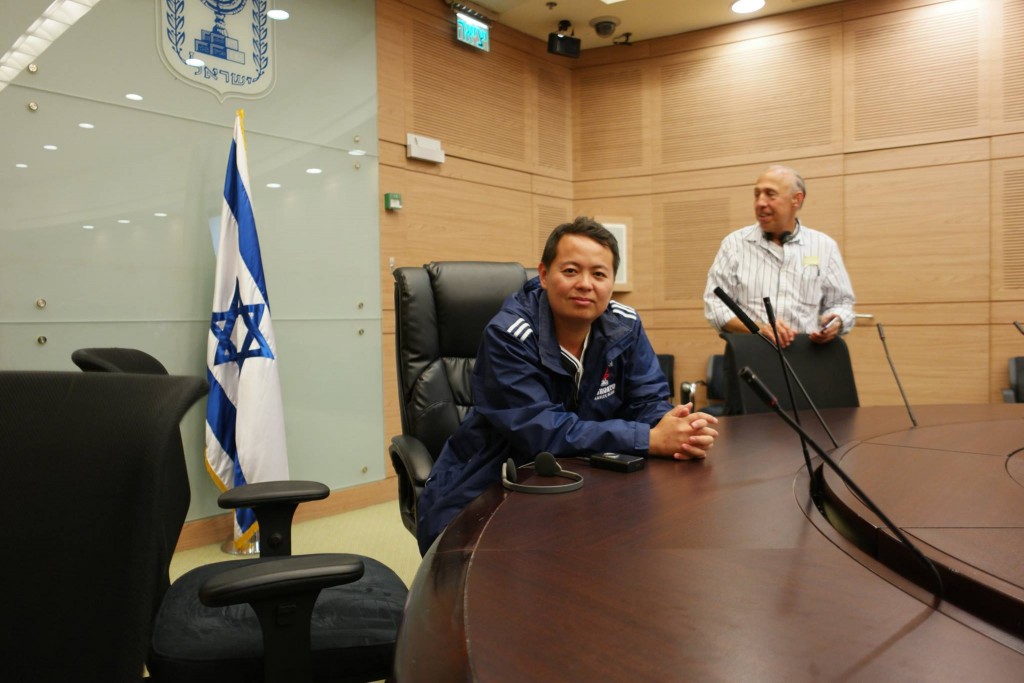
pixel 750 325
pixel 899 385
pixel 770 312
pixel 769 399
pixel 737 311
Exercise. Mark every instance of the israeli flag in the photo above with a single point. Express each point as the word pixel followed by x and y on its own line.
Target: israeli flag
pixel 244 416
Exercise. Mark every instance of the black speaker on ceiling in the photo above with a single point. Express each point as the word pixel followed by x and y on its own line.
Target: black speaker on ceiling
pixel 567 46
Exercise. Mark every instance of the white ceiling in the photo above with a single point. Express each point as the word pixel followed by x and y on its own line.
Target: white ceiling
pixel 644 19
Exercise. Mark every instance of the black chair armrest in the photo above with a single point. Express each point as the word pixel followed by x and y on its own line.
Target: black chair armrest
pixel 274 503
pixel 282 592
pixel 414 456
pixel 272 492
pixel 280 577
pixel 412 462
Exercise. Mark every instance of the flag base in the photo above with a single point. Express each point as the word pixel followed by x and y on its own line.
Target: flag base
pixel 250 548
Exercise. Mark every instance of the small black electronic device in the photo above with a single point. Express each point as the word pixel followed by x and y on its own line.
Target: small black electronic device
pixel 618 462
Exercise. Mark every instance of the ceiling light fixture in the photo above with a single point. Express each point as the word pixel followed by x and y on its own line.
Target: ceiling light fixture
pixel 86 126
pixel 277 14
pixel 133 97
pixel 195 61
pixel 55 19
pixel 747 6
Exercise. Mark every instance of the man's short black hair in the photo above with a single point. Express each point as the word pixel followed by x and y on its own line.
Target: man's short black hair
pixel 587 227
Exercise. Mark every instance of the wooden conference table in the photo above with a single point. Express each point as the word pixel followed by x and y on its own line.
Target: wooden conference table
pixel 725 570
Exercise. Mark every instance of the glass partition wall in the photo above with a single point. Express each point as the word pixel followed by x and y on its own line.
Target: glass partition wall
pixel 110 205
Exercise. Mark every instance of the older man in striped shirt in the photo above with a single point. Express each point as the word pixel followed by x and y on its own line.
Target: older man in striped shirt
pixel 800 269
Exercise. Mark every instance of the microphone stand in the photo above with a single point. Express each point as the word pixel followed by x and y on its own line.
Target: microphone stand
pixel 769 399
pixel 899 385
pixel 770 311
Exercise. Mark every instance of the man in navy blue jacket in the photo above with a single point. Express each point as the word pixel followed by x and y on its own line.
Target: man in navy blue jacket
pixel 561 368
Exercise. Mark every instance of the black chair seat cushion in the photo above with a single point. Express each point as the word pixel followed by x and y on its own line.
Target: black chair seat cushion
pixel 353 631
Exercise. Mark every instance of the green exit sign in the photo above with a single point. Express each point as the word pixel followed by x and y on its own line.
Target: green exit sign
pixel 473 32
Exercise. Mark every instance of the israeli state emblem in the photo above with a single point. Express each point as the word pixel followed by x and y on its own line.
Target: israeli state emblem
pixel 224 46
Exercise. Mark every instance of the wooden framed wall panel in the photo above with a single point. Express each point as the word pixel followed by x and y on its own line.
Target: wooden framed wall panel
pixel 916 76
pixel 944 363
pixel 750 102
pixel 918 235
pixel 1008 229
pixel 611 117
pixel 688 228
pixel 1006 17
pixel 553 127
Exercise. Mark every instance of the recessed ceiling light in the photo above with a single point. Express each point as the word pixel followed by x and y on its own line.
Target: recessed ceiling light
pixel 21 166
pixel 314 171
pixel 123 221
pixel 88 227
pixel 87 126
pixel 357 152
pixel 50 148
pixel 195 61
pixel 273 186
pixel 278 14
pixel 747 6
pixel 132 96
pixel 160 214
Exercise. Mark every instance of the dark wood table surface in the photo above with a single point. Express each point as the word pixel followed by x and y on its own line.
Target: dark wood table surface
pixel 724 570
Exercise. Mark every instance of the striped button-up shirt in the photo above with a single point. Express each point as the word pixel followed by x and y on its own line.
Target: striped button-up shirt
pixel 805 279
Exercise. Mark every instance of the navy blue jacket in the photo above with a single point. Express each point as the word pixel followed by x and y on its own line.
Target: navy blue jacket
pixel 525 402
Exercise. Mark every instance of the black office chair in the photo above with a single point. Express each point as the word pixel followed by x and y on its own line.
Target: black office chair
pixel 114 359
pixel 714 385
pixel 441 311
pixel 90 519
pixel 1015 394
pixel 825 370
pixel 667 362
pixel 350 632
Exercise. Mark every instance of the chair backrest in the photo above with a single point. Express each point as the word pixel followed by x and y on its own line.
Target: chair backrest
pixel 85 505
pixel 113 359
pixel 667 363
pixel 1017 378
pixel 441 311
pixel 824 370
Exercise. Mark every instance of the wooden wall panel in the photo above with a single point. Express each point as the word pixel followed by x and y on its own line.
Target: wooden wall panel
pixel 943 363
pixel 610 122
pixel 915 76
pixel 918 235
pixel 1008 78
pixel 548 214
pixel 750 101
pixel 1008 229
pixel 554 118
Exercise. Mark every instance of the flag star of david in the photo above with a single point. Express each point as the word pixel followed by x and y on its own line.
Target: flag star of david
pixel 223 326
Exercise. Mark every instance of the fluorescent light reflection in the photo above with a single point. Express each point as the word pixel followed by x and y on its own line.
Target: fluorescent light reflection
pixel 277 15
pixel 314 171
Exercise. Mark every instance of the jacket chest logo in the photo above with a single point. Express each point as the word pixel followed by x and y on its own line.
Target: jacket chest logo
pixel 606 388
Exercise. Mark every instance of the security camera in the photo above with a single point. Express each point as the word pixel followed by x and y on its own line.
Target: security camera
pixel 604 26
